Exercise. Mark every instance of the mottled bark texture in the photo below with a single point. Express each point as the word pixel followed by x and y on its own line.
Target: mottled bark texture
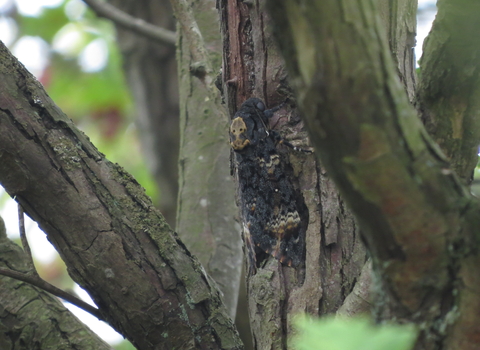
pixel 151 72
pixel 420 224
pixel 33 319
pixel 449 89
pixel 116 245
pixel 206 206
pixel 252 67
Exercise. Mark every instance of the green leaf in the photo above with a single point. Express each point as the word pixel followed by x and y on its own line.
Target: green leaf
pixel 332 333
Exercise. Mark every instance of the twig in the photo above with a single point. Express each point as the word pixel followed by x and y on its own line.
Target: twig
pixel 42 284
pixel 23 237
pixel 137 25
pixel 33 277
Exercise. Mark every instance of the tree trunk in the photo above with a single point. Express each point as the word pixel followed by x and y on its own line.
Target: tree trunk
pixel 419 222
pixel 116 245
pixel 334 253
pixel 206 208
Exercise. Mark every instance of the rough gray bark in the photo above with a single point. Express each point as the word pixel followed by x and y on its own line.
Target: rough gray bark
pixel 335 255
pixel 151 72
pixel 116 245
pixel 33 319
pixel 419 222
pixel 206 207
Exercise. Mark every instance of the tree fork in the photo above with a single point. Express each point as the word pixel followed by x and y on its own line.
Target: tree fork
pixel 418 220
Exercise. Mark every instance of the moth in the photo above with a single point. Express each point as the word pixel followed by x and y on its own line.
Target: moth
pixel 273 212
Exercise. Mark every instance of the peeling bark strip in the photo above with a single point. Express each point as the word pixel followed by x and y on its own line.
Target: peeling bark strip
pixel 237 24
pixel 114 242
pixel 419 222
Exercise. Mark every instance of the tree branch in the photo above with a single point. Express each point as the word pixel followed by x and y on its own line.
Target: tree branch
pixel 449 68
pixel 116 245
pixel 34 278
pixel 103 9
pixel 36 281
pixel 196 45
pixel 419 223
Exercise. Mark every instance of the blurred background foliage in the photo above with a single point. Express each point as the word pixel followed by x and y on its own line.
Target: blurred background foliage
pixel 77 60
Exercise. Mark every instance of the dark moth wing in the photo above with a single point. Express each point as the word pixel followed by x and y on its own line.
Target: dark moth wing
pixel 270 204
